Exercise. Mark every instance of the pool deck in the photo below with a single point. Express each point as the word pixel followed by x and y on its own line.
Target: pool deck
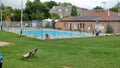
pixel 14 30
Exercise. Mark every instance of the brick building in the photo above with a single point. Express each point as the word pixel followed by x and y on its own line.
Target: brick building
pixel 102 20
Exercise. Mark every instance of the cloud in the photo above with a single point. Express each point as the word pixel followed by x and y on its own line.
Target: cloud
pixel 14 3
pixel 89 4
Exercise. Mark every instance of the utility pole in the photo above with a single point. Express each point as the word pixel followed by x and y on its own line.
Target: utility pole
pixel 104 5
pixel 1 15
pixel 21 16
pixel 118 8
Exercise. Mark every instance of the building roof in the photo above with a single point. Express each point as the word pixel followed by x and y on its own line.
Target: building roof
pixel 66 10
pixel 95 16
pixel 101 13
pixel 61 9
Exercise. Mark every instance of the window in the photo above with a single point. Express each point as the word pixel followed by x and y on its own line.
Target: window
pixel 54 8
pixel 59 10
pixel 66 10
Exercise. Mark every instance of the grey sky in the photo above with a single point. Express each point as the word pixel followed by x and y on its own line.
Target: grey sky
pixel 89 4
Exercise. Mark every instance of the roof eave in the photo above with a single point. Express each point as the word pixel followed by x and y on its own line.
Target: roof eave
pixel 90 21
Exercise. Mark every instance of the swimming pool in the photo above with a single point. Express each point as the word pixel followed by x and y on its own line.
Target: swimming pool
pixel 52 33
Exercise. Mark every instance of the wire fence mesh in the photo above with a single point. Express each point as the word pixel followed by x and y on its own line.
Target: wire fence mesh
pixel 41 30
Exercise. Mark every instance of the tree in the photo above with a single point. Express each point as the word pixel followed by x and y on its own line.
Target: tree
pixel 36 10
pixel 50 4
pixel 65 4
pixel 98 8
pixel 36 0
pixel 37 15
pixel 54 16
pixel 16 15
pixel 115 8
pixel 6 11
pixel 73 11
pixel 25 17
pixel 67 15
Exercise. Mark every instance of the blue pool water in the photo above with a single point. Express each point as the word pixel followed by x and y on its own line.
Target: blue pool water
pixel 52 33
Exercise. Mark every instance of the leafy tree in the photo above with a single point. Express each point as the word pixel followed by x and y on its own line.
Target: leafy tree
pixel 16 15
pixel 37 15
pixel 27 10
pixel 36 0
pixel 6 12
pixel 25 17
pixel 36 10
pixel 66 16
pixel 65 4
pixel 98 8
pixel 73 11
pixel 50 4
pixel 54 16
pixel 116 7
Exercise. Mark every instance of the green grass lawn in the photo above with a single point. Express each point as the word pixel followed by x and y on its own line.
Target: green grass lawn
pixel 95 52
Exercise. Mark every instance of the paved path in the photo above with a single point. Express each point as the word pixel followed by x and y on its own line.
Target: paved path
pixel 3 43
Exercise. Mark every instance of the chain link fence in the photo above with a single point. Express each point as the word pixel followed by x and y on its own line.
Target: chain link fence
pixel 46 30
pixel 41 30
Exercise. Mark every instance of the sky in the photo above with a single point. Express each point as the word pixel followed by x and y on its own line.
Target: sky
pixel 89 4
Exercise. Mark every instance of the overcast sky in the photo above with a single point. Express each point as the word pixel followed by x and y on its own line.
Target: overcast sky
pixel 89 4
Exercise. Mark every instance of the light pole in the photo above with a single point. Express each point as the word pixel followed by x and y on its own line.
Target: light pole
pixel 21 16
pixel 1 15
pixel 104 5
pixel 118 8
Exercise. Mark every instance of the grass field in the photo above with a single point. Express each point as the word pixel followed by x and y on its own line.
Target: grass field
pixel 95 52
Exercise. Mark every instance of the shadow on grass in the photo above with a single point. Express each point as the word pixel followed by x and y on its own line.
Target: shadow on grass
pixel 30 59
